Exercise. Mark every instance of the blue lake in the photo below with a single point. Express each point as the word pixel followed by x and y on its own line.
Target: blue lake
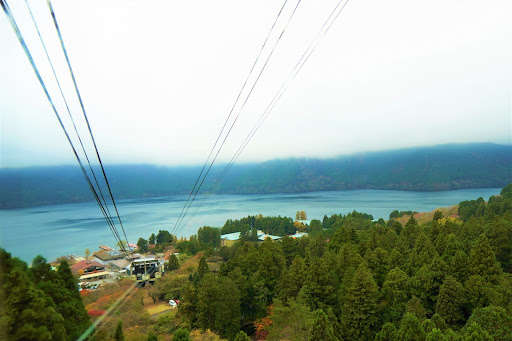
pixel 57 230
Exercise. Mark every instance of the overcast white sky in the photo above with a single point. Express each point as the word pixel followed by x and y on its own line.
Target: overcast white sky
pixel 158 78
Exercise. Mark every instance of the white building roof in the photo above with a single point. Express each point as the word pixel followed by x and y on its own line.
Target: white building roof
pixel 265 236
pixel 231 236
pixel 142 260
pixel 298 235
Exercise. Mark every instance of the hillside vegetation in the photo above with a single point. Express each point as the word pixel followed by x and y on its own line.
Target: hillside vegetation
pixel 351 278
pixel 424 169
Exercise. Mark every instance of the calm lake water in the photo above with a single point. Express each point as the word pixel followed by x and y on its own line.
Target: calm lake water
pixel 53 231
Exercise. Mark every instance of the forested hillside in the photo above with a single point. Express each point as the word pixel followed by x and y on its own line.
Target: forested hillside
pixel 424 169
pixel 351 278
pixel 38 303
pixel 357 279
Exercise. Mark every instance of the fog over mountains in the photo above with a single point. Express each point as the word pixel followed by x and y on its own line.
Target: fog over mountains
pixel 442 167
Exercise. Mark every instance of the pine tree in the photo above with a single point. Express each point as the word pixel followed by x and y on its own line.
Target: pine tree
pixel 483 261
pixel 451 301
pixel 202 268
pixel 218 305
pixel 494 320
pixel 292 279
pixel 241 336
pixel 31 314
pixel 458 266
pixel 426 282
pixel 152 239
pixel 415 308
pixel 410 329
pixel 436 335
pixel 271 265
pixel 395 292
pixel 387 333
pixel 181 334
pixel 378 263
pixel 142 244
pixel 320 285
pixel 118 335
pixel 348 261
pixel 152 337
pixel 452 245
pixel 428 325
pixel 473 332
pixel 423 252
pixel 322 330
pixel 69 303
pixel 439 322
pixel 173 263
pixel 41 270
pixel 477 292
pixel 360 305
pixel 410 233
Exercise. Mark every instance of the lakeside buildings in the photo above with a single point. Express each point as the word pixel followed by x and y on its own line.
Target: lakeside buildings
pixel 229 239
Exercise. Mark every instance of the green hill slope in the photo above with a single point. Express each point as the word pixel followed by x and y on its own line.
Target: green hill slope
pixel 435 168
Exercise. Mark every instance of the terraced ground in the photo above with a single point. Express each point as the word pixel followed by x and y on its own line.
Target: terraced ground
pixel 424 217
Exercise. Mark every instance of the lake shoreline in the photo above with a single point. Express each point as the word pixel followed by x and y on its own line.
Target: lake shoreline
pixel 149 197
pixel 56 230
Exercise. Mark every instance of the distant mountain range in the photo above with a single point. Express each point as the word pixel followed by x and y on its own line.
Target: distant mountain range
pixel 443 167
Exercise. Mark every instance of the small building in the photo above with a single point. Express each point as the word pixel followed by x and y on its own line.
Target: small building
pixel 262 237
pixel 229 238
pixel 298 235
pixel 95 276
pixel 89 270
pixel 86 267
pixel 118 264
pixel 133 246
pixel 104 256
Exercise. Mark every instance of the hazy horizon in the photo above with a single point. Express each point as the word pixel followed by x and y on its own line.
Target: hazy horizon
pixel 251 162
pixel 158 81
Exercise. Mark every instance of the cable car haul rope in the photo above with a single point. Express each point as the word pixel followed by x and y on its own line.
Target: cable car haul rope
pixel 148 269
pixel 96 191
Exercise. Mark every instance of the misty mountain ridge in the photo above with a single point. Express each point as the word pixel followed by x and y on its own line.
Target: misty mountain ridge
pixel 442 167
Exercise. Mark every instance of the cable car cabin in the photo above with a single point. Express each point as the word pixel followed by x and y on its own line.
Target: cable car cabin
pixel 146 269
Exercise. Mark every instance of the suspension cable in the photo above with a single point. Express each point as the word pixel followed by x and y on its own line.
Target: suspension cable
pixel 232 108
pixel 335 13
pixel 332 17
pixel 64 50
pixel 267 60
pixel 23 44
pixel 67 108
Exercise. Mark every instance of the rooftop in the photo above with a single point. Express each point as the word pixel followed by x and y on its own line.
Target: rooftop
pixel 95 274
pixel 265 236
pixel 85 264
pixel 231 236
pixel 140 260
pixel 107 255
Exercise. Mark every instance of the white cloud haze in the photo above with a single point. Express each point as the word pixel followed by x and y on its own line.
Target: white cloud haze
pixel 158 78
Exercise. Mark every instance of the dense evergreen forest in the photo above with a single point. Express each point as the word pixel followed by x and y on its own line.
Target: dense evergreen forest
pixel 39 303
pixel 351 278
pixel 424 169
pixel 354 278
